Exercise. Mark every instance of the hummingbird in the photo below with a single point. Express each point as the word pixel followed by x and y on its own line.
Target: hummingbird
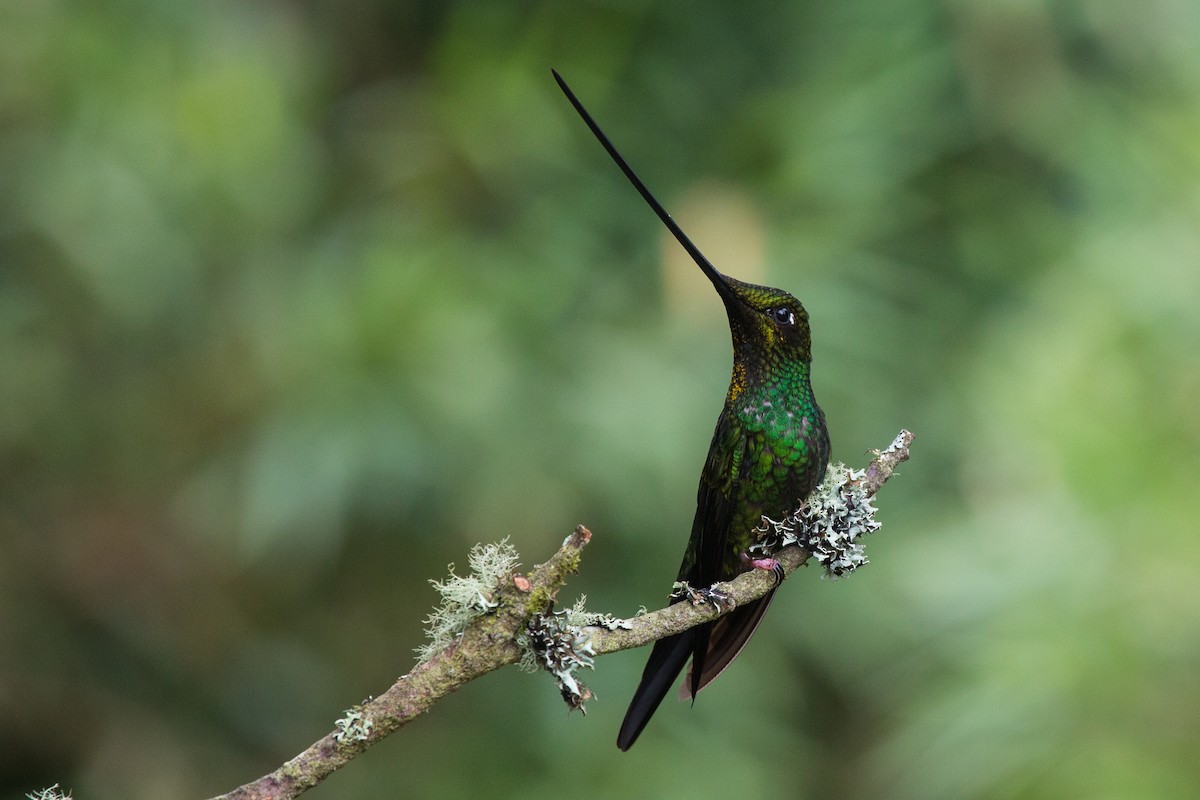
pixel 768 452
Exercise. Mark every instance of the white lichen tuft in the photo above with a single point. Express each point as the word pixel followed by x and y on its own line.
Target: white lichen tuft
pixel 580 617
pixel 829 525
pixel 49 793
pixel 553 643
pixel 466 597
pixel 353 727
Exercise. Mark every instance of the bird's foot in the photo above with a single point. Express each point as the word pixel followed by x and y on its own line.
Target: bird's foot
pixel 698 597
pixel 769 564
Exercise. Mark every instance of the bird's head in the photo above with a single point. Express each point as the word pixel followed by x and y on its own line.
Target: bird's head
pixel 769 326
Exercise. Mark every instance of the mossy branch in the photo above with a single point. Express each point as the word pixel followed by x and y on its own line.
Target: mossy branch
pixel 501 604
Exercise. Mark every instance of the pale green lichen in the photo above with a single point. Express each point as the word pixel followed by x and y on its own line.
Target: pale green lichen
pixel 837 514
pixel 353 727
pixel 49 793
pixel 466 597
pixel 580 617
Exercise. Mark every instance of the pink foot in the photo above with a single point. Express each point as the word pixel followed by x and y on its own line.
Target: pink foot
pixel 769 564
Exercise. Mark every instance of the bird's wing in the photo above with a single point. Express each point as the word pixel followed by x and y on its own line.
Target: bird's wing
pixel 701 568
pixel 715 501
pixel 707 553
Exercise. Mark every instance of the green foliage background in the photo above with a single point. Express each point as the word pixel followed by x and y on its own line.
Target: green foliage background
pixel 298 301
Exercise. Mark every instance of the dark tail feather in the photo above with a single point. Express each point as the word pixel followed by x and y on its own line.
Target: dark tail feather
pixel 664 665
pixel 728 636
pixel 712 648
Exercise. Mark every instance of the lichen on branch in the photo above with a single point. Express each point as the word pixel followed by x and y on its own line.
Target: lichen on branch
pixel 466 597
pixel 484 618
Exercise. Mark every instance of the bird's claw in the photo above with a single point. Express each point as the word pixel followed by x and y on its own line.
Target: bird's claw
pixel 769 564
pixel 698 597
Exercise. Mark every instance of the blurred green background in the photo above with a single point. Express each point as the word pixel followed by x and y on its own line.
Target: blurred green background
pixel 298 301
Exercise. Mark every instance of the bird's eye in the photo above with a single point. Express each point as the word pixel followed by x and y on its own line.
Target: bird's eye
pixel 783 315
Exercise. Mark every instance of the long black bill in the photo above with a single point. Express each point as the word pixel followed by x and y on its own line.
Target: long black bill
pixel 713 275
